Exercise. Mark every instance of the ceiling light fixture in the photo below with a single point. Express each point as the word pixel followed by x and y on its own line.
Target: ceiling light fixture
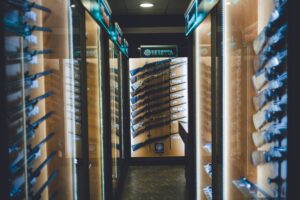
pixel 146 5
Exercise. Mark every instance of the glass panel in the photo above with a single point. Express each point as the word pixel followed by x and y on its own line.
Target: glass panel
pixel 95 125
pixel 254 91
pixel 115 110
pixel 203 108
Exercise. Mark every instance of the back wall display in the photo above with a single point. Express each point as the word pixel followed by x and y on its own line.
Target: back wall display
pixel 158 98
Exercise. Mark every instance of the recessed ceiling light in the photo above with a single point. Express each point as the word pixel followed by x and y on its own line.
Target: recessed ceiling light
pixel 146 5
pixel 73 6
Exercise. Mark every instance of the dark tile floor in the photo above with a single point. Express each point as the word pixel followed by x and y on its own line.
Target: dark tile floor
pixel 154 183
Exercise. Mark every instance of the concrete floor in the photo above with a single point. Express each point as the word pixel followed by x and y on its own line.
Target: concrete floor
pixel 154 183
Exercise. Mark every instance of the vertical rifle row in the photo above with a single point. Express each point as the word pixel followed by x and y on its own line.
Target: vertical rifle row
pixel 270 102
pixel 158 98
pixel 24 113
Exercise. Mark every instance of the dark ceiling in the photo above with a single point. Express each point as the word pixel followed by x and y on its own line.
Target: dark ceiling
pixel 161 7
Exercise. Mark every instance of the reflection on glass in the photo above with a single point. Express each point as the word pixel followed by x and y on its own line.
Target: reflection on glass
pixel 203 107
pixel 94 95
pixel 243 22
pixel 115 110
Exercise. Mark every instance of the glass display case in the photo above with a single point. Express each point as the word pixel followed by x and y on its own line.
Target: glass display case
pixel 254 99
pixel 203 99
pixel 115 104
pixel 94 70
pixel 158 102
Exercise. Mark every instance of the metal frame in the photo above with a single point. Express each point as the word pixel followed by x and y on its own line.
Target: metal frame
pixel 84 100
pixel 217 101
pixel 4 172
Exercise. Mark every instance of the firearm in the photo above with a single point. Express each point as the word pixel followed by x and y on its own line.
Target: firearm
pixel 274 111
pixel 155 91
pixel 150 141
pixel 32 154
pixel 14 24
pixel 150 67
pixel 276 43
pixel 208 147
pixel 274 90
pixel 274 154
pixel 172 72
pixel 250 190
pixel 30 106
pixel 147 100
pixel 28 57
pixel 273 133
pixel 271 71
pixel 208 169
pixel 157 113
pixel 157 83
pixel 208 192
pixel 32 176
pixel 156 125
pixel 277 19
pixel 175 98
pixel 171 69
pixel 30 133
pixel 27 5
pixel 29 81
pixel 37 196
pixel 152 112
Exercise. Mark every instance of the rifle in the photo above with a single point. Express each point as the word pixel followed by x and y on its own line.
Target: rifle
pixel 278 18
pixel 275 66
pixel 26 6
pixel 274 111
pixel 159 103
pixel 169 80
pixel 154 71
pixel 277 43
pixel 170 94
pixel 171 71
pixel 30 133
pixel 32 154
pixel 37 196
pixel 156 125
pixel 28 81
pixel 29 56
pixel 154 66
pixel 15 192
pixel 276 132
pixel 30 105
pixel 154 91
pixel 250 190
pixel 156 117
pixel 273 90
pixel 149 113
pixel 274 154
pixel 150 141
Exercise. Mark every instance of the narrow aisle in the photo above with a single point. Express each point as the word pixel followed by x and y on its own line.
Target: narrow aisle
pixel 154 183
